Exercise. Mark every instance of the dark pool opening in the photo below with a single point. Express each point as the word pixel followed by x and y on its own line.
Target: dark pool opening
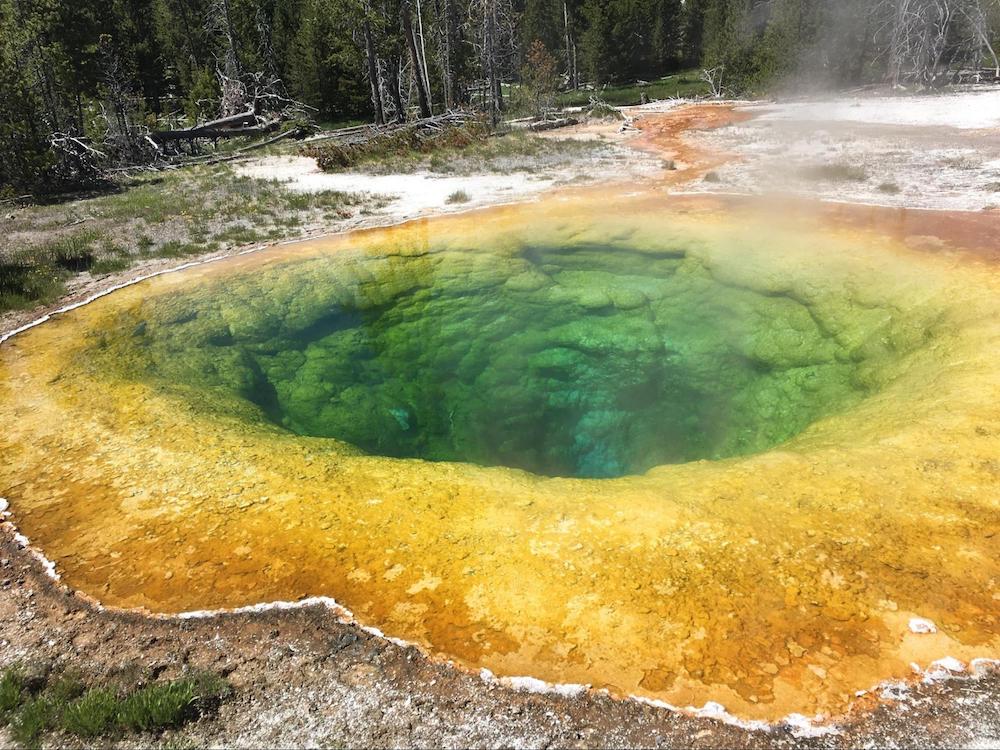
pixel 569 362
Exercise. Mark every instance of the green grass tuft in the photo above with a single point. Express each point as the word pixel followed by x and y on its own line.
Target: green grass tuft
pixel 65 704
pixel 459 196
pixel 93 715
pixel 171 704
pixel 33 719
pixel 12 692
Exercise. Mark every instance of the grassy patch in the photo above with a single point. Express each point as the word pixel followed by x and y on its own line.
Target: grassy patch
pixel 460 154
pixel 889 188
pixel 95 714
pixel 173 214
pixel 459 196
pixel 65 704
pixel 685 84
pixel 25 281
pixel 835 172
pixel 402 145
pixel 11 691
pixel 32 719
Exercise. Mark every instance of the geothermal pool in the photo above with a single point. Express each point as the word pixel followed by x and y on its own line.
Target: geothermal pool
pixel 672 448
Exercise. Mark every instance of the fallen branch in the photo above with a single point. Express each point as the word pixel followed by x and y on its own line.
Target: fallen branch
pixel 214 131
pixel 562 122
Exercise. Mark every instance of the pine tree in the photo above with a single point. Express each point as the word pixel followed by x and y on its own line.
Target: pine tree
pixel 542 21
pixel 667 25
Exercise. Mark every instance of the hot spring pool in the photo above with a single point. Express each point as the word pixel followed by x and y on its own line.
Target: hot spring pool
pixel 656 447
pixel 585 360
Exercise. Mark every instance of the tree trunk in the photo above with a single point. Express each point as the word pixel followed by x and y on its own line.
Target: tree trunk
pixel 373 69
pixel 570 50
pixel 231 38
pixel 423 59
pixel 492 57
pixel 393 82
pixel 418 73
pixel 449 77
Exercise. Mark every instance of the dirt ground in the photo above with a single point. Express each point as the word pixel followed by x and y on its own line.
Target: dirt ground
pixel 303 678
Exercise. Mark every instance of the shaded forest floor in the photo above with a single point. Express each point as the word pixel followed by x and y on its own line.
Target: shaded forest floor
pixel 299 677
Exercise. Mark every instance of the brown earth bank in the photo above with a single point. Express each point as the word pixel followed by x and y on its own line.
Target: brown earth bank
pixel 303 678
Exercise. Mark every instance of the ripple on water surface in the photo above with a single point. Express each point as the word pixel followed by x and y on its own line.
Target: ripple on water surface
pixel 673 453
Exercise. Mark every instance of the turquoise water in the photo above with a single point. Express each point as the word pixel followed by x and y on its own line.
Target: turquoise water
pixel 585 361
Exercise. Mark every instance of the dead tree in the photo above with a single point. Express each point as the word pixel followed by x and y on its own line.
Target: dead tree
pixel 122 136
pixel 572 75
pixel 228 68
pixel 713 77
pixel 419 77
pixel 491 23
pixel 423 55
pixel 928 41
pixel 446 46
pixel 390 76
pixel 371 62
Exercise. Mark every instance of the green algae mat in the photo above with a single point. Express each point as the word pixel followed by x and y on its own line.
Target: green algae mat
pixel 658 447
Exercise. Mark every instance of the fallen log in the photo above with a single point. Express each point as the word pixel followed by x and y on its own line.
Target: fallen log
pixel 243 124
pixel 562 122
pixel 243 118
pixel 360 134
pixel 164 136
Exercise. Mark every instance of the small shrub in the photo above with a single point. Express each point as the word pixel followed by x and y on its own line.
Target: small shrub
pixel 25 280
pixel 171 704
pixel 33 719
pixel 539 77
pixel 889 188
pixel 74 252
pixel 712 177
pixel 11 691
pixel 459 196
pixel 93 715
